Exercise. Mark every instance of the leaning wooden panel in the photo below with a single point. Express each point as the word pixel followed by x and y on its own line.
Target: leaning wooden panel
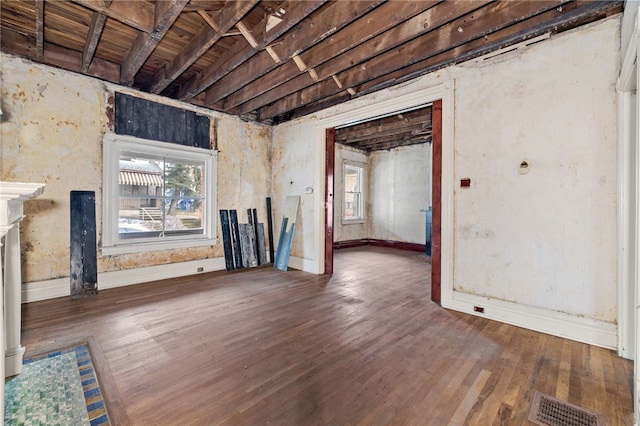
pixel 248 245
pixel 286 232
pixel 84 261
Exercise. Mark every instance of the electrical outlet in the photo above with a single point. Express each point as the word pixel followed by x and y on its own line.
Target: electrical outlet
pixel 200 269
pixel 479 309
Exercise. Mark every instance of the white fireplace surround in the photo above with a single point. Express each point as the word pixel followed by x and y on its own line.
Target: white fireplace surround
pixel 12 197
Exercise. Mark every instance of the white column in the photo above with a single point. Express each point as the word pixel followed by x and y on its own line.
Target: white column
pixel 3 232
pixel 12 302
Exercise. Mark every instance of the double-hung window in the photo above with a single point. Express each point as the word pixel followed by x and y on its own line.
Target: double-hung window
pixel 353 206
pixel 156 195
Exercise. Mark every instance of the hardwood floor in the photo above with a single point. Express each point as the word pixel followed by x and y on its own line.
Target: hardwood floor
pixel 365 346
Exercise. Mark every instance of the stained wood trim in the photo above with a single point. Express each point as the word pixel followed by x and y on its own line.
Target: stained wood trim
pixel 330 154
pixel 436 224
pixel 401 245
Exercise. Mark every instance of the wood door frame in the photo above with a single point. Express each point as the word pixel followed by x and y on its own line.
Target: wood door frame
pixel 436 200
pixel 330 153
pixel 436 190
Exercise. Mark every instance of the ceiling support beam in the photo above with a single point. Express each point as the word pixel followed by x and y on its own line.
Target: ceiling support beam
pixel 358 68
pixel 136 14
pixel 39 29
pixel 323 25
pixel 295 13
pixel 198 46
pixel 165 13
pixel 207 18
pixel 95 31
pixel 554 21
pixel 23 45
pixel 395 22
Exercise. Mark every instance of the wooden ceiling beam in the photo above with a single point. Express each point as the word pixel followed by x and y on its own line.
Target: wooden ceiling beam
pixel 198 46
pixel 383 139
pixel 396 121
pixel 206 5
pixel 426 22
pixel 321 25
pixel 462 30
pixel 39 29
pixel 134 13
pixel 237 55
pixel 95 31
pixel 375 132
pixel 393 143
pixel 385 16
pixel 572 15
pixel 20 44
pixel 165 13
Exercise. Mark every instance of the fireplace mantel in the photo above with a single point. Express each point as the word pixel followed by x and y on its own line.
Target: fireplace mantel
pixel 12 197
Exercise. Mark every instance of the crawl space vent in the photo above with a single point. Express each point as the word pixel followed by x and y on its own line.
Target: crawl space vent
pixel 548 411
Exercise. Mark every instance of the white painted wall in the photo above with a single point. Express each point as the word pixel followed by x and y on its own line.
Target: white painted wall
pixel 545 240
pixel 400 188
pixel 397 187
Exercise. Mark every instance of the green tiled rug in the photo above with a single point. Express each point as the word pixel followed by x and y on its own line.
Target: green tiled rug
pixel 58 388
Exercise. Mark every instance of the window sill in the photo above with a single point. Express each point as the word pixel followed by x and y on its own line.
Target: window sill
pixel 156 245
pixel 353 221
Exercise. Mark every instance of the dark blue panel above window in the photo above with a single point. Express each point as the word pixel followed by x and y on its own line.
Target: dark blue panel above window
pixel 150 120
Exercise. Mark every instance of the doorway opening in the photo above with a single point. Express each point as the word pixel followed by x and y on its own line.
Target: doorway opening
pixel 361 144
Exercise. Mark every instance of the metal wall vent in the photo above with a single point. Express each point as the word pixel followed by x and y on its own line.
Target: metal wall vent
pixel 548 411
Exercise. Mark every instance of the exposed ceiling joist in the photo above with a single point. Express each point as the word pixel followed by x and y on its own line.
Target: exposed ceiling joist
pixel 391 131
pixel 236 56
pixel 200 44
pixel 295 57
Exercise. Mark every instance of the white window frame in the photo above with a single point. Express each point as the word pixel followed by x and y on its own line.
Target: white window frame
pixel 363 186
pixel 113 146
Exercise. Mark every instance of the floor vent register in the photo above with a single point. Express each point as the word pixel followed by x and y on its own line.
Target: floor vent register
pixel 548 411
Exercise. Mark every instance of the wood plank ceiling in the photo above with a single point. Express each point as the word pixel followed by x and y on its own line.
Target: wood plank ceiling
pixel 391 131
pixel 273 61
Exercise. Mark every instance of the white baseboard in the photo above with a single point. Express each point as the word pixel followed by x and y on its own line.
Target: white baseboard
pixel 586 330
pixel 306 265
pixel 61 287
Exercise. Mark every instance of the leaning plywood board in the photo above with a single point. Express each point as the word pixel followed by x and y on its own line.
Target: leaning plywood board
pixel 247 242
pixel 286 232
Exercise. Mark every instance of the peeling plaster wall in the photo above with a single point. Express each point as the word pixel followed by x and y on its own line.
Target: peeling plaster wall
pixel 400 187
pixel 350 231
pixel 292 174
pixel 52 127
pixel 547 238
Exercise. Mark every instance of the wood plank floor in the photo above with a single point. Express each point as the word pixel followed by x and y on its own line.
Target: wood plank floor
pixel 364 347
